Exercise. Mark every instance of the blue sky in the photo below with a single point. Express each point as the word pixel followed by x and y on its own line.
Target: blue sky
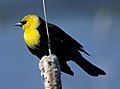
pixel 94 23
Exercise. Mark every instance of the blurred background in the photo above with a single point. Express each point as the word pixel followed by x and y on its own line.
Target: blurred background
pixel 93 23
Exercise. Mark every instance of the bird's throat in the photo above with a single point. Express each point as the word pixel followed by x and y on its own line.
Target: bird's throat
pixel 32 38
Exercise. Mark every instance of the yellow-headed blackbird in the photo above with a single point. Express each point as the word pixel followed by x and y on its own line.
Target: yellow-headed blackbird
pixel 62 45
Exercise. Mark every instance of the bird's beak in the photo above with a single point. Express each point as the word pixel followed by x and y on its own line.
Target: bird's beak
pixel 18 24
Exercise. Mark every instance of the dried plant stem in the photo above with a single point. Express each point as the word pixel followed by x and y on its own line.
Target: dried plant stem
pixel 50 69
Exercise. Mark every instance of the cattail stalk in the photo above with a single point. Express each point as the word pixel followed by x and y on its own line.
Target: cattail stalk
pixel 50 70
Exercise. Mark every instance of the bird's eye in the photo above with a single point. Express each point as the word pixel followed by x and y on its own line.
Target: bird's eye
pixel 23 22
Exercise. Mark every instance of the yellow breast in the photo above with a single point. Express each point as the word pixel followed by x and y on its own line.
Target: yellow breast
pixel 31 37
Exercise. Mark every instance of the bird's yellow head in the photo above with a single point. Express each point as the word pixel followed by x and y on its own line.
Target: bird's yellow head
pixel 28 22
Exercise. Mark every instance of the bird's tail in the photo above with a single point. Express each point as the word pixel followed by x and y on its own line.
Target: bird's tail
pixel 87 66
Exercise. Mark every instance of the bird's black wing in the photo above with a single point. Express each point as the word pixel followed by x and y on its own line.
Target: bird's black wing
pixel 59 34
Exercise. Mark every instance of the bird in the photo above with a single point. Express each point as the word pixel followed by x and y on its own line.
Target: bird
pixel 62 45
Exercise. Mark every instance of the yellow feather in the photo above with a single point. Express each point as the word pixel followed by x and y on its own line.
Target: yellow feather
pixel 31 34
pixel 32 37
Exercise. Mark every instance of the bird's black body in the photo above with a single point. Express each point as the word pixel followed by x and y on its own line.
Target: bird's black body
pixel 65 48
